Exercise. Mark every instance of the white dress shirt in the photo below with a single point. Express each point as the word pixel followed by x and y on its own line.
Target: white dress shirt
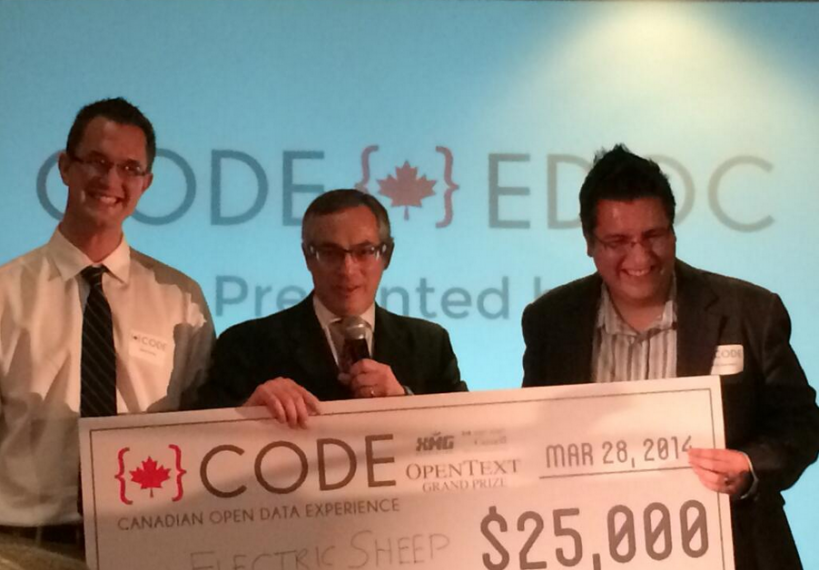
pixel 163 333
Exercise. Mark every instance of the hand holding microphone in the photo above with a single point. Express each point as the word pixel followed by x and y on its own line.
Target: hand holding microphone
pixel 365 377
pixel 354 346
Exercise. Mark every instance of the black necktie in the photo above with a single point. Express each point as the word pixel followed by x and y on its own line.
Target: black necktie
pixel 98 368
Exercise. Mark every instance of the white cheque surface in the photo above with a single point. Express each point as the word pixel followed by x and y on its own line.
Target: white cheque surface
pixel 587 477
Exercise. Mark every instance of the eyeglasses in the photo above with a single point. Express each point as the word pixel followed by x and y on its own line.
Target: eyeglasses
pixel 654 241
pixel 333 255
pixel 100 166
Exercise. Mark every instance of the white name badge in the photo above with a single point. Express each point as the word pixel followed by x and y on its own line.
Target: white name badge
pixel 150 348
pixel 591 477
pixel 729 359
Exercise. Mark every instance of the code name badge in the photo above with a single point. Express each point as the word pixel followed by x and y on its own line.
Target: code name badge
pixel 150 348
pixel 729 359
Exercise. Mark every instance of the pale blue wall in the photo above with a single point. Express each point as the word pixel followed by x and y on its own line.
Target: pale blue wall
pixel 699 84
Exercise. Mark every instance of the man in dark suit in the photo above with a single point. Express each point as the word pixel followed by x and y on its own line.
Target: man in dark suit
pixel 645 315
pixel 291 360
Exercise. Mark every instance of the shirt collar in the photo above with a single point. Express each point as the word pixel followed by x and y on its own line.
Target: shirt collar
pixel 610 321
pixel 70 260
pixel 325 316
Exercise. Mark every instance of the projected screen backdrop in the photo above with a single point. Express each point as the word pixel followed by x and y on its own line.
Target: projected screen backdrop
pixel 474 124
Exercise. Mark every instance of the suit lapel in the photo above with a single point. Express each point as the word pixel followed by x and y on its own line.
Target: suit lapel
pixel 390 346
pixel 310 349
pixel 698 323
pixel 579 335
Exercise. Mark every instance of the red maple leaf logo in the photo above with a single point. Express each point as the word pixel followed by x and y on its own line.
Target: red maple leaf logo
pixel 150 475
pixel 406 189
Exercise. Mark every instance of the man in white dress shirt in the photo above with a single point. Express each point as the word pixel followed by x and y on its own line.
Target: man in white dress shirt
pixel 158 320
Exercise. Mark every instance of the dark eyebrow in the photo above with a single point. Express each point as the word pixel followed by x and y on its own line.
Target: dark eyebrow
pixel 331 244
pixel 97 154
pixel 649 231
pixel 129 161
pixel 613 237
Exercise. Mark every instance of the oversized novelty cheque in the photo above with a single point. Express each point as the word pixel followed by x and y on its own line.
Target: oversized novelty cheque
pixel 587 477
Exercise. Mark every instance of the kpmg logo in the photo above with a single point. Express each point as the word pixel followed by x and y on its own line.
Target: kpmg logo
pixel 435 442
pixel 144 479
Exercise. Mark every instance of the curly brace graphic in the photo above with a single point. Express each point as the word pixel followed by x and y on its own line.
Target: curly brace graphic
pixel 120 475
pixel 451 185
pixel 365 168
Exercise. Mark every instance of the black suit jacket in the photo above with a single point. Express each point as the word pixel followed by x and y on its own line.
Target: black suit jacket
pixel 292 344
pixel 769 408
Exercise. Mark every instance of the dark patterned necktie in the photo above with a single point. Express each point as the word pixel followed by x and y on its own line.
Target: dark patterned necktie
pixel 98 368
pixel 337 334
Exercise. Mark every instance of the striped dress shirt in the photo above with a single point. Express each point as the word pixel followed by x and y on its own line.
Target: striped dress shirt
pixel 623 354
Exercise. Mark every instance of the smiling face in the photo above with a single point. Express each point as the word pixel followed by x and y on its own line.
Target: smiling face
pixel 634 248
pixel 100 202
pixel 347 286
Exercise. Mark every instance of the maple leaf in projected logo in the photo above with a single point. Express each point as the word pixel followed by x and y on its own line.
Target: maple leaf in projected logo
pixel 150 475
pixel 406 189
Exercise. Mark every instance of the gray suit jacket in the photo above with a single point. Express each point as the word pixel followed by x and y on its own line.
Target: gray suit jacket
pixel 770 410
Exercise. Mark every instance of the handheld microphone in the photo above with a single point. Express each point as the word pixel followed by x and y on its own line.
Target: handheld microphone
pixel 355 347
